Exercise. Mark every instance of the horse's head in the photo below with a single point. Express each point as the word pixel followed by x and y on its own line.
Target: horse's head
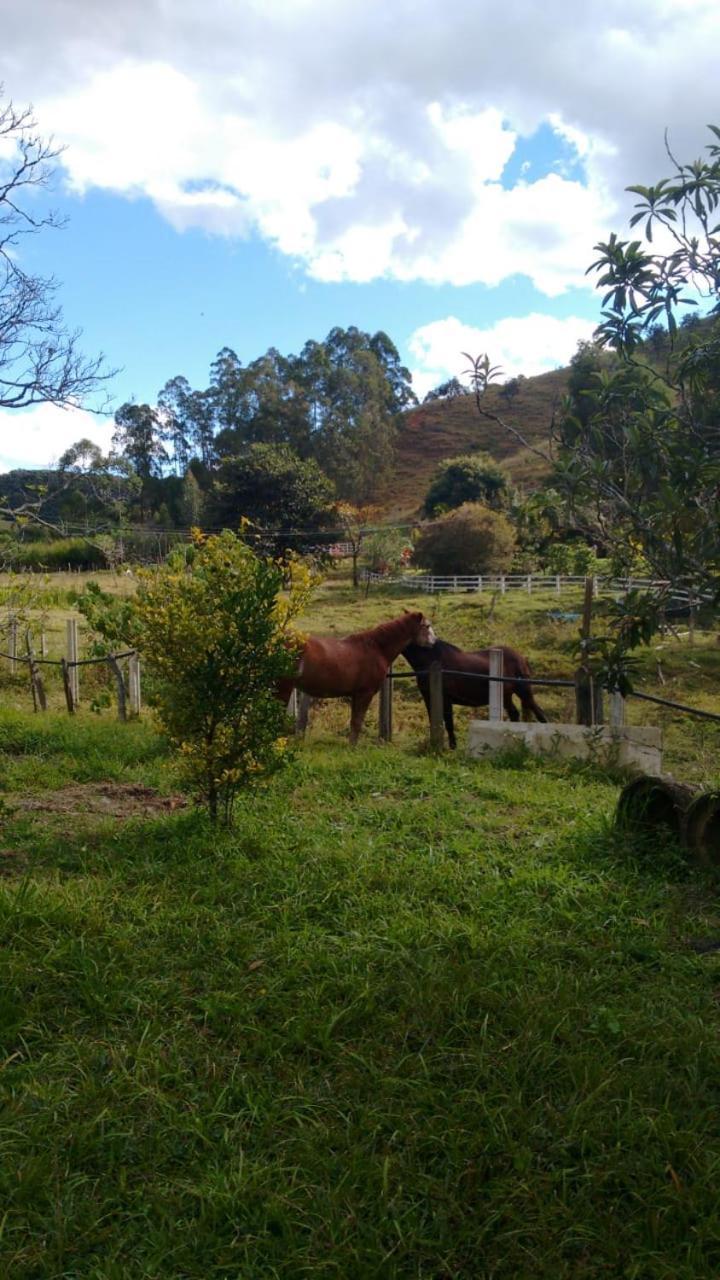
pixel 423 633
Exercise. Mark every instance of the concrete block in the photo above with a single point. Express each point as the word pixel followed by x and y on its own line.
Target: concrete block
pixel 631 746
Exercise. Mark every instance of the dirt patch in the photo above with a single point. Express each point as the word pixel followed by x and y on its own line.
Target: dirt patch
pixel 120 800
pixel 12 862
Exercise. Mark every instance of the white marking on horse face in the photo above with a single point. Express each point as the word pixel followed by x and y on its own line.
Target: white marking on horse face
pixel 426 636
pixel 301 666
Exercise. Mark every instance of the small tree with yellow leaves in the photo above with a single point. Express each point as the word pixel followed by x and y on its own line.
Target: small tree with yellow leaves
pixel 215 632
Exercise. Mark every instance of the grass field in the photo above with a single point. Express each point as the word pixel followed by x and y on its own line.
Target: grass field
pixel 414 1017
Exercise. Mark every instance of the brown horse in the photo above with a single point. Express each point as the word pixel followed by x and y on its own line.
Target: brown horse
pixel 471 692
pixel 355 666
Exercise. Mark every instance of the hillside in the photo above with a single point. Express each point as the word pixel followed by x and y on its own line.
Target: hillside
pixel 445 428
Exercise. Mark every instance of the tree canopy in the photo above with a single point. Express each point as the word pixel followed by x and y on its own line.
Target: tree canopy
pixel 471 539
pixel 471 477
pixel 278 493
pixel 639 440
pixel 339 402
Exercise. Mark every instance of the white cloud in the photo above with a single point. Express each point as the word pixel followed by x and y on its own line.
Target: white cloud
pixel 526 344
pixel 36 437
pixel 370 141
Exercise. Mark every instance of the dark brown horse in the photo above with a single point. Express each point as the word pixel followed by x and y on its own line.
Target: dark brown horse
pixel 470 692
pixel 355 666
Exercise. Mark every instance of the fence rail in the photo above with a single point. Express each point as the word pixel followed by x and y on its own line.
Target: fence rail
pixel 430 584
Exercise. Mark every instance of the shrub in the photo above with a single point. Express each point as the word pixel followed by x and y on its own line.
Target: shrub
pixel 472 539
pixel 472 477
pixel 216 637
pixel 385 551
pixel 575 558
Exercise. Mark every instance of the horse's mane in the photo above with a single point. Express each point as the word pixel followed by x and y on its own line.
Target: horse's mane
pixel 385 630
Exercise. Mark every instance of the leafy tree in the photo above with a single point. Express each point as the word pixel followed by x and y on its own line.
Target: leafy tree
pixel 386 551
pixel 450 390
pixel 187 422
pixel 138 438
pixel 92 485
pixel 639 458
pixel 511 389
pixel 540 522
pixel 216 637
pixel 355 522
pixel 278 493
pixel 471 477
pixel 263 403
pixel 471 539
pixel 647 467
pixel 356 391
pixel 638 447
pixel 191 501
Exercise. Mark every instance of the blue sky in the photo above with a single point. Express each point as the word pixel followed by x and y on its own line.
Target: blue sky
pixel 253 175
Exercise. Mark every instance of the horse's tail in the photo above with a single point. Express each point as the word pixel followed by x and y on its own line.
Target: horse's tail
pixel 525 691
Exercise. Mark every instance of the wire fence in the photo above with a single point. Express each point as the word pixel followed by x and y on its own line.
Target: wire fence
pixel 551 682
pixel 128 694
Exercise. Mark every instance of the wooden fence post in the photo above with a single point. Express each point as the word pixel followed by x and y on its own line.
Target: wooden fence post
pixel 72 656
pixel 585 687
pixel 502 585
pixel 558 587
pixel 134 688
pixel 43 643
pixel 495 692
pixel 529 584
pixel 36 684
pixel 588 699
pixel 583 697
pixel 114 666
pixel 437 727
pixel 67 686
pixel 480 586
pixel 12 645
pixel 386 708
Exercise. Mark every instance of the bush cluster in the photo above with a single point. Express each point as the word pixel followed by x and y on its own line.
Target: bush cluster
pixel 472 539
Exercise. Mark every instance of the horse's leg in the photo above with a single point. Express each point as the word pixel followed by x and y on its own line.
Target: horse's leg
pixel 449 723
pixel 510 708
pixel 360 704
pixel 527 698
pixel 284 688
pixel 537 711
pixel 304 704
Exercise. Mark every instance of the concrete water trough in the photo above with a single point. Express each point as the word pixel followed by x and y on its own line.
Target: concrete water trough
pixel 628 746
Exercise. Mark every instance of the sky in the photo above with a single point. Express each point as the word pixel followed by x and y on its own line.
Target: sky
pixel 251 174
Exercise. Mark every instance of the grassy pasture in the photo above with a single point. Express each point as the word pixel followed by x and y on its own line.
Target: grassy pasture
pixel 671 667
pixel 414 1017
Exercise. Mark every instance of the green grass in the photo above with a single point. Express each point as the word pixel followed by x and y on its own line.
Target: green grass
pixel 414 1017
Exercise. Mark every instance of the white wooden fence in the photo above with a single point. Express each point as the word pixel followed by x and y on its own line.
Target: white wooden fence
pixel 430 584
